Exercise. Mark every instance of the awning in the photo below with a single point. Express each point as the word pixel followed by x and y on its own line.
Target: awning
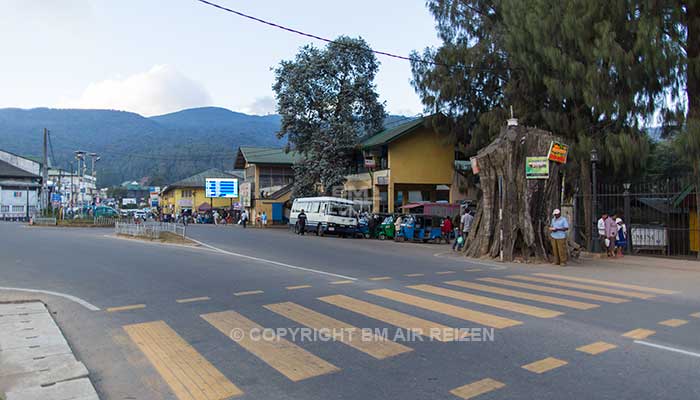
pixel 204 207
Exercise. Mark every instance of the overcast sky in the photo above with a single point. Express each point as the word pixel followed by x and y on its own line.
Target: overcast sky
pixel 159 56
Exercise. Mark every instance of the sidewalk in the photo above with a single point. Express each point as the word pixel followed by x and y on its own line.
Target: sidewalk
pixel 36 362
pixel 642 261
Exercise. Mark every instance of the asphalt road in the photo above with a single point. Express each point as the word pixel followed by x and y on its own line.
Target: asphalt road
pixel 144 344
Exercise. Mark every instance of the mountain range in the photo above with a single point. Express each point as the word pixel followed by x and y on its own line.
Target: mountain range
pixel 163 148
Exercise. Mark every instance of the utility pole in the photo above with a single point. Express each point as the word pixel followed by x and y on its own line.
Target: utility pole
pixel 45 173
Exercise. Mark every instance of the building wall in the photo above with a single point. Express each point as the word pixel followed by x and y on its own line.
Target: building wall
pixel 422 156
pixel 173 198
pixel 12 206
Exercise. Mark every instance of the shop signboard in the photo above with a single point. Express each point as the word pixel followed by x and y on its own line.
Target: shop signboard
pixel 537 167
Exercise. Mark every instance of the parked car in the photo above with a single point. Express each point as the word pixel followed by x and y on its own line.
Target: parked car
pixel 105 211
pixel 325 215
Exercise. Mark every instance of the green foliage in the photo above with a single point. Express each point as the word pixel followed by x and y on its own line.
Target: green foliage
pixel 587 70
pixel 327 100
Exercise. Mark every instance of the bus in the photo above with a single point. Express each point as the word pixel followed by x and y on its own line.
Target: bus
pixel 325 215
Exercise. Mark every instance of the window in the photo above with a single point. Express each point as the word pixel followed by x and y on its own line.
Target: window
pixel 341 210
pixel 17 209
pixel 313 207
pixel 5 209
pixel 186 193
pixel 32 209
pixel 16 194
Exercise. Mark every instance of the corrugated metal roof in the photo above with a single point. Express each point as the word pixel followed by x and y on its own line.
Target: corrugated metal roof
pixel 8 170
pixel 391 134
pixel 199 180
pixel 263 155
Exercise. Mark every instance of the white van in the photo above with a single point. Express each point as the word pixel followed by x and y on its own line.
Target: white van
pixel 325 215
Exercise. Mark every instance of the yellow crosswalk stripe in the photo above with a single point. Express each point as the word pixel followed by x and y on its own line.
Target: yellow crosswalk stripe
pixel 417 325
pixel 544 365
pixel 638 334
pixel 298 287
pixel 374 345
pixel 248 293
pixel 596 348
pixel 188 374
pixel 445 272
pixel 286 357
pixel 473 270
pixel 549 289
pixel 380 278
pixel 606 283
pixel 341 282
pixel 673 323
pixel 192 300
pixel 488 301
pixel 581 286
pixel 471 390
pixel 466 314
pixel 579 305
pixel 695 315
pixel 126 308
pixel 414 275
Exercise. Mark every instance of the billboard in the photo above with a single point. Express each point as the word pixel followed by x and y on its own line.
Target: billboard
pixel 558 152
pixel 221 187
pixel 537 168
pixel 246 194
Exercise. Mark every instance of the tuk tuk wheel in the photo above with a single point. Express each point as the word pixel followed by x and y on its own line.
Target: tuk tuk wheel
pixel 382 236
pixel 366 235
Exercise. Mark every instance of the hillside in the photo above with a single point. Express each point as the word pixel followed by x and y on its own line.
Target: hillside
pixel 166 147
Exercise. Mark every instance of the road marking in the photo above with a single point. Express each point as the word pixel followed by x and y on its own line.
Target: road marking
pixel 673 349
pixel 639 333
pixel 286 357
pixel 417 325
pixel 445 272
pixel 581 286
pixel 579 305
pixel 501 268
pixel 126 308
pixel 473 270
pixel 488 301
pixel 340 282
pixel 298 287
pixel 376 346
pixel 380 278
pixel 596 348
pixel 189 375
pixel 276 263
pixel 248 293
pixel 544 365
pixel 193 299
pixel 547 289
pixel 606 283
pixel 471 390
pixel 74 299
pixel 674 323
pixel 695 315
pixel 466 314
pixel 414 275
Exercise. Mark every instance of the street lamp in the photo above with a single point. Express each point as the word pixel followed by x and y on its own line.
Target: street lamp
pixel 594 202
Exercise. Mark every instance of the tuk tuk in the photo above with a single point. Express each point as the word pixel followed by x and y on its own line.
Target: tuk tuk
pixel 421 228
pixel 386 229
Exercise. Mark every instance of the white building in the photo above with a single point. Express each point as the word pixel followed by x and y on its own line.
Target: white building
pixel 19 191
pixel 75 190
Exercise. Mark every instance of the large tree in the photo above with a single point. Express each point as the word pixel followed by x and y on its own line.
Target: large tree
pixel 328 100
pixel 587 70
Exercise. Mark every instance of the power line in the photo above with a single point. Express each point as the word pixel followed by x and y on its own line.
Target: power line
pixel 313 36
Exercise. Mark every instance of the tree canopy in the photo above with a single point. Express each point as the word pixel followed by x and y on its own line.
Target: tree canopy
pixel 328 100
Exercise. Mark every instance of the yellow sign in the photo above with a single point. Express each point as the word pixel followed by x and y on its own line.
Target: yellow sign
pixel 558 152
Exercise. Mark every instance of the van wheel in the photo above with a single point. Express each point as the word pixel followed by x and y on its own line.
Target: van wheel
pixel 319 230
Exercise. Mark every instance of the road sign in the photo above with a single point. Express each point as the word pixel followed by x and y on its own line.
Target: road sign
pixel 221 187
pixel 56 197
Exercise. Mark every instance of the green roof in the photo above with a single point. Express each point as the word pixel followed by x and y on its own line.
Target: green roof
pixel 200 179
pixel 263 155
pixel 392 133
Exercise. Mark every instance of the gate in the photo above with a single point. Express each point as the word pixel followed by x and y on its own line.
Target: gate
pixel 661 216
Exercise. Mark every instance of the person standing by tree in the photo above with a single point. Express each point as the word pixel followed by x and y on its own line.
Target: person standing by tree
pixel 558 229
pixel 465 225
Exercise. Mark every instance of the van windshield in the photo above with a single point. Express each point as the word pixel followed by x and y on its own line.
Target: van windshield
pixel 341 210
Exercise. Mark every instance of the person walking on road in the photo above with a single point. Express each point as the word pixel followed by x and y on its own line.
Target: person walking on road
pixel 558 229
pixel 397 227
pixel 301 220
pixel 465 224
pixel 263 219
pixel 446 229
pixel 244 218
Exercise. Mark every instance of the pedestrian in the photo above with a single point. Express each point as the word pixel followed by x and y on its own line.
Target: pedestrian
pixel 465 224
pixel 558 229
pixel 446 229
pixel 602 237
pixel 263 219
pixel 397 227
pixel 610 233
pixel 621 239
pixel 216 217
pixel 244 218
pixel 301 221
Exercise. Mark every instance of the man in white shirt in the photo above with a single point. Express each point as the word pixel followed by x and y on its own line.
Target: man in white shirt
pixel 601 231
pixel 465 225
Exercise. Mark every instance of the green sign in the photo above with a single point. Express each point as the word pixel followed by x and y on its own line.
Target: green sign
pixel 537 168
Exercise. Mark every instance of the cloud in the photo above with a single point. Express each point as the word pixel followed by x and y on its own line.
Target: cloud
pixel 262 106
pixel 160 90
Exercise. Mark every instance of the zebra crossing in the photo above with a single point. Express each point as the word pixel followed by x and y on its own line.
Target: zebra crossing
pixel 191 377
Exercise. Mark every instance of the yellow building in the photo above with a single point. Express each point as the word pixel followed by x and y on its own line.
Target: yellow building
pixel 403 164
pixel 189 194
pixel 267 185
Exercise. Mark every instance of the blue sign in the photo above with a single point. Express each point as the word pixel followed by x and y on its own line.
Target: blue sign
pixel 221 187
pixel 55 197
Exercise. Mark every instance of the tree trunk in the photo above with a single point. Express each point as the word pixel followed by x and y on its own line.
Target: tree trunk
pixel 527 203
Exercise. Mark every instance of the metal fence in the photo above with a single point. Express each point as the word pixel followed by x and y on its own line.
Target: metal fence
pixel 661 216
pixel 150 230
pixel 44 221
